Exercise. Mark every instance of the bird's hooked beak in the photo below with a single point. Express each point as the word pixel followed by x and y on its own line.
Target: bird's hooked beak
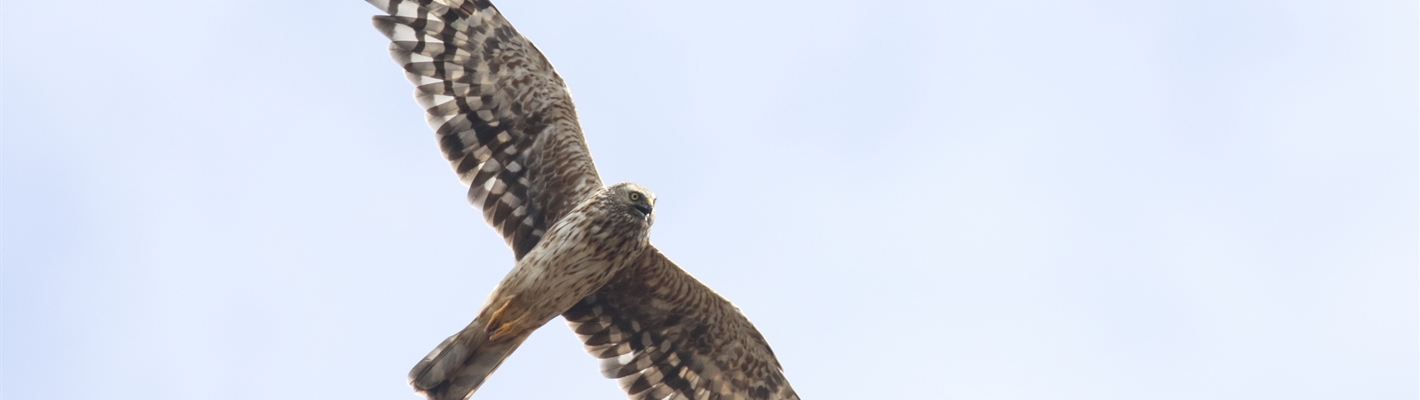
pixel 644 209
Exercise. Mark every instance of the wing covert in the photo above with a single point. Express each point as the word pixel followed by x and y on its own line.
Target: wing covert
pixel 503 117
pixel 664 335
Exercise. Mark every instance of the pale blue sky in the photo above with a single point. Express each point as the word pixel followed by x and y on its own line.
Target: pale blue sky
pixel 946 200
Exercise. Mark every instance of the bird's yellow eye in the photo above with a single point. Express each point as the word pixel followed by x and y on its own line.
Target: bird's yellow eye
pixel 635 196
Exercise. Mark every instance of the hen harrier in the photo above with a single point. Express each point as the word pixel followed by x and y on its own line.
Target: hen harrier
pixel 505 120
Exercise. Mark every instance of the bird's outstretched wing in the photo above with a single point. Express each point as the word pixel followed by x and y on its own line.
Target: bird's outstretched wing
pixel 504 118
pixel 664 335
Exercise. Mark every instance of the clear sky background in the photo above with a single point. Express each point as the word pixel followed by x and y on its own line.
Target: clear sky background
pixel 932 199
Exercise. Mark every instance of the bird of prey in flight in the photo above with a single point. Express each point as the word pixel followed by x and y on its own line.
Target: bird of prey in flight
pixel 505 121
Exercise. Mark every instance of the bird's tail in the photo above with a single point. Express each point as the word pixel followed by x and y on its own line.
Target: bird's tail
pixel 461 363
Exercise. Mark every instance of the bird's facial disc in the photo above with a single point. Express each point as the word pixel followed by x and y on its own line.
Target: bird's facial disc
pixel 641 203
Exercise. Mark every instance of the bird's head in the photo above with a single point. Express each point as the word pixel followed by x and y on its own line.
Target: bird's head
pixel 634 200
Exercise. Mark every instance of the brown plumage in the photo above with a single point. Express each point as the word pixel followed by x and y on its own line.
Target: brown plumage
pixel 506 123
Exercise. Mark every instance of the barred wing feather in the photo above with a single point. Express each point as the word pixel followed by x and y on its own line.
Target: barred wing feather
pixel 503 117
pixel 664 335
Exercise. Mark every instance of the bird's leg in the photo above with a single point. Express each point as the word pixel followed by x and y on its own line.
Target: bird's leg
pixel 500 327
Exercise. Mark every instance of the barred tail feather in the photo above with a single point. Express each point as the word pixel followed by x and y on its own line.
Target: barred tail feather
pixel 461 363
